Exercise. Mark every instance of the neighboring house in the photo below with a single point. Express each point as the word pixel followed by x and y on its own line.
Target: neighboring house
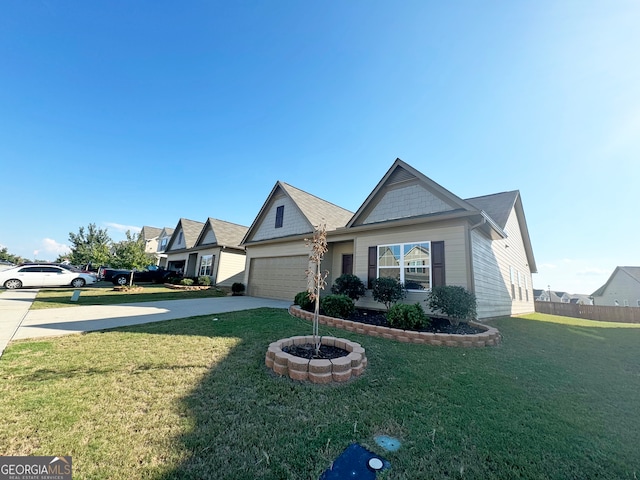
pixel 622 289
pixel 410 228
pixel 150 236
pixel 561 297
pixel 219 254
pixel 180 258
pixel 211 248
pixel 163 241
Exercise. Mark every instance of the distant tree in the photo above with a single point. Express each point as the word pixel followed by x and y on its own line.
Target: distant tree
pixel 5 255
pixel 130 253
pixel 90 246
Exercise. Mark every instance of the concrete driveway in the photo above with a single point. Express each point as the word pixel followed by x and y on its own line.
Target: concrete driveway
pixel 18 322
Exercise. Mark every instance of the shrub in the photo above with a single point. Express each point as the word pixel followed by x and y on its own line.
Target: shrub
pixel 304 301
pixel 204 280
pixel 237 289
pixel 349 285
pixel 407 317
pixel 457 303
pixel 187 282
pixel 387 291
pixel 337 306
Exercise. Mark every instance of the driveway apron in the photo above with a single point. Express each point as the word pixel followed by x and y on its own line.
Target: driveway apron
pixel 14 306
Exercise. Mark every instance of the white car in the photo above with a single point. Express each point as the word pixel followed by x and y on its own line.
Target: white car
pixel 43 276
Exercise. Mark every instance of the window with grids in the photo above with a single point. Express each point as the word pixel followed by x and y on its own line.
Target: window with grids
pixel 206 262
pixel 409 263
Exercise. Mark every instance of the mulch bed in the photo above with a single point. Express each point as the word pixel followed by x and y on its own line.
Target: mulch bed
pixel 438 325
pixel 308 351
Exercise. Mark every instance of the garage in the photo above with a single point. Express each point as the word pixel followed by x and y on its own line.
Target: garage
pixel 278 277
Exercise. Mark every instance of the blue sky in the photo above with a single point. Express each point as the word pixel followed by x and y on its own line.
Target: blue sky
pixel 127 114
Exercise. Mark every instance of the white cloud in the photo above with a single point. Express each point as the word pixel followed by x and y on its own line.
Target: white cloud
pixel 123 228
pixel 50 248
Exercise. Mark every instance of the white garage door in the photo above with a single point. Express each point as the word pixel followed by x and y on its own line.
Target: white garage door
pixel 278 277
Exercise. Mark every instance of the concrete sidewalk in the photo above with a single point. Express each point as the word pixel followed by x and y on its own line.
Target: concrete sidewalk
pixel 18 322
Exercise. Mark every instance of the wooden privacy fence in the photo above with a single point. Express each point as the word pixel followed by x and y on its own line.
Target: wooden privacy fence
pixel 590 312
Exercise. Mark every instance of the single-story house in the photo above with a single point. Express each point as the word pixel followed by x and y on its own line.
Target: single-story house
pixel 211 249
pixel 622 289
pixel 410 228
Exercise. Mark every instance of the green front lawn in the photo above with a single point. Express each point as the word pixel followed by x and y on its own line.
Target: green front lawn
pixel 106 295
pixel 191 398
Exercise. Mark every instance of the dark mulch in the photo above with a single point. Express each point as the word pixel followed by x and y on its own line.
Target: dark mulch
pixel 438 325
pixel 308 351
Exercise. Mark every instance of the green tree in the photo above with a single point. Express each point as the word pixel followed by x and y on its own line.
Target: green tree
pixel 130 253
pixel 5 255
pixel 90 246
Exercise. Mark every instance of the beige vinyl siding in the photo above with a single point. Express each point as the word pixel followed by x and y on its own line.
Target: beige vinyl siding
pixel 230 268
pixel 621 287
pixel 456 264
pixel 492 264
pixel 334 266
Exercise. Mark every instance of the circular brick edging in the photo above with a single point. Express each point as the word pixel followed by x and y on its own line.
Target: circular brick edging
pixel 489 337
pixel 316 371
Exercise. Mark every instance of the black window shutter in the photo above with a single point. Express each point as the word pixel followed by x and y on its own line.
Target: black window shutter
pixel 437 264
pixel 373 265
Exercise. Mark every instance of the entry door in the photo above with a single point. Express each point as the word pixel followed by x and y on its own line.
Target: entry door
pixel 347 263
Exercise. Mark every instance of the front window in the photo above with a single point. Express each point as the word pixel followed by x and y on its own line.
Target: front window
pixel 409 263
pixel 206 262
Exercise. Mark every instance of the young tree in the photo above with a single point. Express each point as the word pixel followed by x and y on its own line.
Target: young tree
pixel 316 278
pixel 130 254
pixel 90 246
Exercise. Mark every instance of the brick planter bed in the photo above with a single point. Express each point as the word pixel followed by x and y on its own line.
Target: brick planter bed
pixel 337 370
pixel 490 336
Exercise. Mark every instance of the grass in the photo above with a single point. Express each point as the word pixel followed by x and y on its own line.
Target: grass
pixel 191 399
pixel 105 295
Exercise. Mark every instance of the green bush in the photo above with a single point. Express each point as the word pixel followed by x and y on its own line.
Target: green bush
pixel 456 303
pixel 187 282
pixel 337 306
pixel 407 317
pixel 304 301
pixel 237 289
pixel 387 291
pixel 349 285
pixel 204 280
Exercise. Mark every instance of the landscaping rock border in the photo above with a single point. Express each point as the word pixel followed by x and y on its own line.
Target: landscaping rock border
pixel 338 370
pixel 187 287
pixel 489 337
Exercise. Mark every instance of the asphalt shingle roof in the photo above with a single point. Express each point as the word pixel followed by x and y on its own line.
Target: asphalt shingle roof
pixel 317 210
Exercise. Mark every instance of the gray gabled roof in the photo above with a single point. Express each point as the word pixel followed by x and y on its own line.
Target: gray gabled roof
pixel 316 210
pixel 149 233
pixel 227 234
pixel 633 272
pixel 190 229
pixel 498 206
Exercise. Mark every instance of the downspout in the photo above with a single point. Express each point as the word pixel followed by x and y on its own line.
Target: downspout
pixel 471 279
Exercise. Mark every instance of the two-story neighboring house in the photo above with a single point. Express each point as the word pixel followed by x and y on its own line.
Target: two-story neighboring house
pixel 409 228
pixel 622 289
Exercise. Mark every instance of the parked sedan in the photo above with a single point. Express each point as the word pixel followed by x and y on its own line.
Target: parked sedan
pixel 43 276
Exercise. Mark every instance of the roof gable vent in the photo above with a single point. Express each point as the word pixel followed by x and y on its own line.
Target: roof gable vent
pixel 400 175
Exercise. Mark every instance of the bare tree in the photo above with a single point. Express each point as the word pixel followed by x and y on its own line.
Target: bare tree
pixel 316 278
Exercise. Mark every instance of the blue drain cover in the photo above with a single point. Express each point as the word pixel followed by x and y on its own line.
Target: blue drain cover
pixel 356 462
